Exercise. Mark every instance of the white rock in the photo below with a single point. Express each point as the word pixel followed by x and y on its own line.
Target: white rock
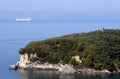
pixel 66 69
pixel 105 71
pixel 13 67
pixel 77 58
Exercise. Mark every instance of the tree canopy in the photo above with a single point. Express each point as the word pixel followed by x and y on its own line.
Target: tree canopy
pixel 98 50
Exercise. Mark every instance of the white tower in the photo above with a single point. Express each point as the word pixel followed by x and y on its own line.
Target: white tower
pixel 103 29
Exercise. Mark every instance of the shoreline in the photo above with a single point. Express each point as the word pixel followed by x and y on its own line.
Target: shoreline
pixel 25 63
pixel 60 68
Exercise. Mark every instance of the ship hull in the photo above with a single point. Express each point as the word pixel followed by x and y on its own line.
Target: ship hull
pixel 23 19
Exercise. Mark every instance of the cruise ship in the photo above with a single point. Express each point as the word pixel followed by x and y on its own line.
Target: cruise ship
pixel 23 19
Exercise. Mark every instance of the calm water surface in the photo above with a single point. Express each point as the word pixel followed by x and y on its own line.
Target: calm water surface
pixel 15 35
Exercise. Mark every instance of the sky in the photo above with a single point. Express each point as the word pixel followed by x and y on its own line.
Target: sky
pixel 86 8
pixel 59 5
pixel 59 11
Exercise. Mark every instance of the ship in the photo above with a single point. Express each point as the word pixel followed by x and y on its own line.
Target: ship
pixel 23 19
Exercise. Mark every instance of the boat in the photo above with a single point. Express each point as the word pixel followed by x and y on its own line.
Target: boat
pixel 23 19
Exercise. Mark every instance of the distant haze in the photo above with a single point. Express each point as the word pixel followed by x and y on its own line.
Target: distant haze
pixel 101 10
pixel 57 17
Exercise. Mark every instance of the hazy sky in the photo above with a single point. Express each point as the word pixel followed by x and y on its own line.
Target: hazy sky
pixel 97 8
pixel 60 5
pixel 58 10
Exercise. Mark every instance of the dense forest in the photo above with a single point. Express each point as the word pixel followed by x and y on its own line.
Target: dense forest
pixel 98 49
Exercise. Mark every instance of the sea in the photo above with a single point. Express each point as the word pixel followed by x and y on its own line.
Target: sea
pixel 15 35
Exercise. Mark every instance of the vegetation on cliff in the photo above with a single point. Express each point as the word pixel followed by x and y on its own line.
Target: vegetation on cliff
pixel 97 50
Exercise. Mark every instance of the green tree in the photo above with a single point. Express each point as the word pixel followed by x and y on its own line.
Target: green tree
pixel 88 61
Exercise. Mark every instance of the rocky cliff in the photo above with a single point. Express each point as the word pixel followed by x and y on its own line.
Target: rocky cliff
pixel 95 51
pixel 25 63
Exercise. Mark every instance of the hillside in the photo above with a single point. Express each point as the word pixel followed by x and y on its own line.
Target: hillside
pixel 97 50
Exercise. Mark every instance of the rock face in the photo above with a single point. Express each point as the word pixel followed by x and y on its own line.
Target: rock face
pixel 25 63
pixel 77 58
pixel 92 71
pixel 66 69
pixel 13 67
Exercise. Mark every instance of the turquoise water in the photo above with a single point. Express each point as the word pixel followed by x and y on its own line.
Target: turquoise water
pixel 15 35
